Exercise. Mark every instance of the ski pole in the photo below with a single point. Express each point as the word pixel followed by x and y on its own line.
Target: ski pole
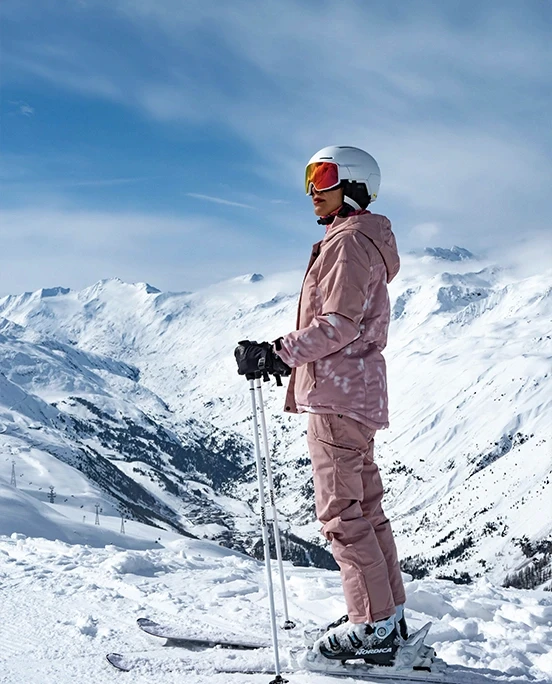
pixel 264 530
pixel 288 624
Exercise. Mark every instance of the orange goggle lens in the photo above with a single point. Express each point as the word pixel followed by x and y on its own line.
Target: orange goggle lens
pixel 321 175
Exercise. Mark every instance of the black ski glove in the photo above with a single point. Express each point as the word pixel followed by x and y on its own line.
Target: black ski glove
pixel 256 359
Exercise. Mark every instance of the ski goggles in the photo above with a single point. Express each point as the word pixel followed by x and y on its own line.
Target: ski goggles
pixel 321 176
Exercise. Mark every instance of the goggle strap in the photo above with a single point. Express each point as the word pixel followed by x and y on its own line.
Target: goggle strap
pixel 351 203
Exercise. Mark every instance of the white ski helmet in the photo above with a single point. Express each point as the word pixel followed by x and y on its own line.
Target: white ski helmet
pixel 354 165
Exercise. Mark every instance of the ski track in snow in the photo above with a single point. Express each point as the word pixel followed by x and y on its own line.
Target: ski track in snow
pixel 63 607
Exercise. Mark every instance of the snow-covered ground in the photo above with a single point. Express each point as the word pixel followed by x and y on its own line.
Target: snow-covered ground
pixel 63 606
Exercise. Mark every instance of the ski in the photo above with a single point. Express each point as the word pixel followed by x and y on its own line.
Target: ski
pixel 413 664
pixel 356 671
pixel 381 674
pixel 176 637
pixel 410 657
pixel 120 661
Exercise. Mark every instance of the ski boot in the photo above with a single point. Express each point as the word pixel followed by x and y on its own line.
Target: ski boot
pixel 381 651
pixel 314 633
pixel 375 643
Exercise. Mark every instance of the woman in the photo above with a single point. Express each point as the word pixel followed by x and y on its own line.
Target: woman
pixel 339 377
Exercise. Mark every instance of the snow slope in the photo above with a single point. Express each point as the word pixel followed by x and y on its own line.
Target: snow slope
pixel 63 606
pixel 467 460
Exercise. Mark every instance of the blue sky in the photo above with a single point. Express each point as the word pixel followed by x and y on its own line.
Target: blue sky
pixel 165 140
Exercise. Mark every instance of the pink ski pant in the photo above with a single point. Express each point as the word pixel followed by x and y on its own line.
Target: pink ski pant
pixel 348 492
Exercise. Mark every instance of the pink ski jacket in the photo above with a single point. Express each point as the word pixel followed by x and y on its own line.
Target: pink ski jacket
pixel 342 323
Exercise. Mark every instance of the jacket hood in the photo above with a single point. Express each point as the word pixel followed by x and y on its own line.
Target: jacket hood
pixel 378 229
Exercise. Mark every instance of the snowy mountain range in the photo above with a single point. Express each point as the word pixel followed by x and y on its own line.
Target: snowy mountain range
pixel 127 397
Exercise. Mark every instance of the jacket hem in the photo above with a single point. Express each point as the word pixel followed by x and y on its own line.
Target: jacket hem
pixel 373 425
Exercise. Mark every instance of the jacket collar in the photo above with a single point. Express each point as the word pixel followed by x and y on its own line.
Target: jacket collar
pixel 344 223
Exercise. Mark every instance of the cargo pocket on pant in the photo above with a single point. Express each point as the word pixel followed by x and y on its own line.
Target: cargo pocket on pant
pixel 334 431
pixel 346 457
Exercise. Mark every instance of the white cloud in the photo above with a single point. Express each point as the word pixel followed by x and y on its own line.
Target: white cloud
pixel 59 246
pixel 75 71
pixel 455 170
pixel 22 108
pixel 425 232
pixel 26 110
pixel 82 230
pixel 218 200
pixel 529 255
